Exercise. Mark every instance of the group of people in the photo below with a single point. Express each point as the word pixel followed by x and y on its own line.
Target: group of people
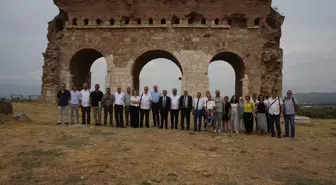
pixel 219 114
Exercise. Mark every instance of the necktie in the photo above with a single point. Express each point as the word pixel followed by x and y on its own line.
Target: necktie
pixel 164 102
pixel 185 101
pixel 197 104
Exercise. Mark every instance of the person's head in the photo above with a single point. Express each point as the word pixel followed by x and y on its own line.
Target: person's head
pixel 164 92
pixel 74 88
pixel 185 93
pixel 128 90
pixel 241 99
pixel 85 86
pixel 234 99
pixel 261 98
pixel 247 98
pixel 155 87
pixel 119 90
pixel 63 86
pixel 274 94
pixel 135 93
pixel 266 95
pixel 97 87
pixel 226 98
pixel 217 93
pixel 108 90
pixel 199 94
pixel 146 89
pixel 209 96
pixel 254 97
pixel 289 94
pixel 174 91
pixel 207 93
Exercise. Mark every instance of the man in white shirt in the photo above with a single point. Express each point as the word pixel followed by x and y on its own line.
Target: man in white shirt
pixel 145 106
pixel 86 104
pixel 74 104
pixel 198 112
pixel 119 107
pixel 174 109
pixel 275 109
pixel 205 98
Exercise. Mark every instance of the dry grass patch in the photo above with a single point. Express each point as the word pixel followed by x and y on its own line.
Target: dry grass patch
pixel 63 154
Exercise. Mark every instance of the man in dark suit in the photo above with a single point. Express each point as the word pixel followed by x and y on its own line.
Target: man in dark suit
pixel 185 107
pixel 164 107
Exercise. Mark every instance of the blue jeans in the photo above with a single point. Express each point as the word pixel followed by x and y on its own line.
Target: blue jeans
pixel 289 119
pixel 198 114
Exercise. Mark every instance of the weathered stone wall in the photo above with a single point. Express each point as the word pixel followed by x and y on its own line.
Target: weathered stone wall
pixel 193 45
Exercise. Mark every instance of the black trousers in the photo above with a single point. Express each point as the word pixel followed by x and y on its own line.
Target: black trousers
pixel 134 111
pixel 119 116
pixel 174 118
pixel 185 114
pixel 109 111
pixel 164 118
pixel 144 113
pixel 86 111
pixel 275 120
pixel 268 122
pixel 248 121
pixel 155 112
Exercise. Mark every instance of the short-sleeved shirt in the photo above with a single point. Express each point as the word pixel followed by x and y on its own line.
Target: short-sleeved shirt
pixel 127 99
pixel 289 105
pixel 135 98
pixel 219 103
pixel 75 97
pixel 63 98
pixel 249 107
pixel 274 106
pixel 156 96
pixel 96 97
pixel 145 101
pixel 209 105
pixel 85 97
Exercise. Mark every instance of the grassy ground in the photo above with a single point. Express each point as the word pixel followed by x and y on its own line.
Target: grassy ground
pixel 43 153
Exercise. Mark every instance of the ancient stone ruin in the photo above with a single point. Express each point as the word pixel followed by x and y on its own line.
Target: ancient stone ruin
pixel 191 33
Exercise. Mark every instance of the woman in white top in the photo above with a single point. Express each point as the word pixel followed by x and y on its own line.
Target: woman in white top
pixel 134 109
pixel 209 107
pixel 234 119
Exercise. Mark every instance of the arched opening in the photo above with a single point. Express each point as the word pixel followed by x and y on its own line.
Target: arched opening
pixel 175 20
pixel 157 67
pixel 257 21
pixel 138 21
pixel 218 71
pixel 59 25
pixel 80 67
pixel 125 20
pixel 150 21
pixel 163 21
pixel 216 21
pixel 203 21
pixel 99 22
pixel 74 21
pixel 190 20
pixel 112 21
pixel 86 22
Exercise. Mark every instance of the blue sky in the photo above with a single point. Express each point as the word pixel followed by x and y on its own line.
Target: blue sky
pixel 308 42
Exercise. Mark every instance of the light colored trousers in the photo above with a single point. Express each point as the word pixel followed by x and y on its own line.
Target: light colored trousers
pixel 74 110
pixel 97 114
pixel 63 111
pixel 218 120
pixel 234 121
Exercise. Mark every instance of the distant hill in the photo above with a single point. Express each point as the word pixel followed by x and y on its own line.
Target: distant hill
pixel 316 98
pixel 19 89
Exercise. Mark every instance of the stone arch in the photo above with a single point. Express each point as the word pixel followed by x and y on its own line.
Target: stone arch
pixel 74 21
pixel 146 57
pixel 175 20
pixel 238 66
pixel 86 21
pixel 80 65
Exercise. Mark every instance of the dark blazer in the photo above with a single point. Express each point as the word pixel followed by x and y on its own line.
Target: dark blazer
pixel 190 102
pixel 168 102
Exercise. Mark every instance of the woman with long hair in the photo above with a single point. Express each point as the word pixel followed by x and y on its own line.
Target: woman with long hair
pixel 134 109
pixel 248 114
pixel 226 114
pixel 261 110
pixel 234 120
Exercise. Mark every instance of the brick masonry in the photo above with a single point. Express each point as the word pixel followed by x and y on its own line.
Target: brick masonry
pixel 246 34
